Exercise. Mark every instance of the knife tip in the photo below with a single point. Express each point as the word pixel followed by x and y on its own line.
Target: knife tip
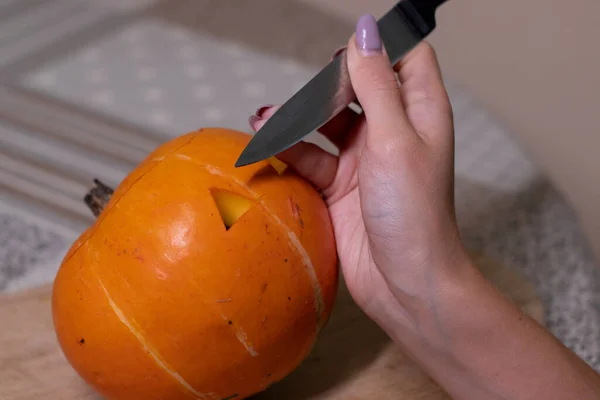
pixel 250 155
pixel 240 163
pixel 244 159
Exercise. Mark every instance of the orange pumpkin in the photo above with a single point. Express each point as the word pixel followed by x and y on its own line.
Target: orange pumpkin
pixel 198 280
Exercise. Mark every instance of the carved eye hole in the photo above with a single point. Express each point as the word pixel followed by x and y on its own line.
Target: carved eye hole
pixel 231 205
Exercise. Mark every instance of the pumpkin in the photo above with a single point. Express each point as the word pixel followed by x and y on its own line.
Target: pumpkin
pixel 198 280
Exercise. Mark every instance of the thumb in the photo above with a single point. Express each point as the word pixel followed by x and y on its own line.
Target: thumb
pixel 374 82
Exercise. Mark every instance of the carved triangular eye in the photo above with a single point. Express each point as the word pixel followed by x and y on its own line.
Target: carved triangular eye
pixel 231 205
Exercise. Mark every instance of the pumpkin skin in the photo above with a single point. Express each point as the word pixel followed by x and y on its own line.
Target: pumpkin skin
pixel 159 300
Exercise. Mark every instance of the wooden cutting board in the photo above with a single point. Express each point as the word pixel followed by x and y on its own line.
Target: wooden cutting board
pixel 352 360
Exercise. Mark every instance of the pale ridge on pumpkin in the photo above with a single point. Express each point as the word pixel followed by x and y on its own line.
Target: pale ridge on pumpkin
pixel 153 353
pixel 293 239
pixel 243 338
pixel 319 303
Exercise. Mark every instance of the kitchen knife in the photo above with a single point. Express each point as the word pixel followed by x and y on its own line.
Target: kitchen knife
pixel 330 91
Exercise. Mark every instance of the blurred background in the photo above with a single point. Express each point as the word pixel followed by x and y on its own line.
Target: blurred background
pixel 89 87
pixel 535 65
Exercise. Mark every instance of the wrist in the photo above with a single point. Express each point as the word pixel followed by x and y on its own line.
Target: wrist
pixel 471 340
pixel 443 305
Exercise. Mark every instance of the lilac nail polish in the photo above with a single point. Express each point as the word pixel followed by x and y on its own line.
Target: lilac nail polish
pixel 367 35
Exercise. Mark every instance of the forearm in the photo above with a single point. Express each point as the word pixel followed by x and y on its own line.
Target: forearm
pixel 477 345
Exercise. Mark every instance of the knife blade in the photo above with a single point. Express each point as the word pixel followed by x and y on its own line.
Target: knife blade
pixel 330 91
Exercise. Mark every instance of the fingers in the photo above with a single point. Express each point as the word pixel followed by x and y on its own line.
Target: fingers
pixel 339 128
pixel 374 82
pixel 312 162
pixel 335 130
pixel 307 159
pixel 418 107
pixel 423 93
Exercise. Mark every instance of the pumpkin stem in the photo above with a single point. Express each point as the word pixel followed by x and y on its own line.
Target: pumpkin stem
pixel 98 197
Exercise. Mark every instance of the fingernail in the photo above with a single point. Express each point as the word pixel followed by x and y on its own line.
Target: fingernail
pixel 252 120
pixel 367 35
pixel 261 110
pixel 338 52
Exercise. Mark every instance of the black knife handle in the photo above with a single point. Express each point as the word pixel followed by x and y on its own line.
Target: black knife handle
pixel 421 12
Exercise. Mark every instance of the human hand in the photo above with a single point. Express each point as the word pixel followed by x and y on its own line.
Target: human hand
pixel 391 199
pixel 390 191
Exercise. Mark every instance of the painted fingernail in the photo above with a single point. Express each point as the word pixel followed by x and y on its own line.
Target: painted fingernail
pixel 261 110
pixel 367 35
pixel 252 121
pixel 338 52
